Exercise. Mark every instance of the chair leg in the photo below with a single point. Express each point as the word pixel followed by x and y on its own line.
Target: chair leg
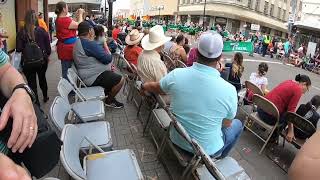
pixel 266 142
pixel 190 166
pixel 148 119
pixel 284 141
pixel 139 108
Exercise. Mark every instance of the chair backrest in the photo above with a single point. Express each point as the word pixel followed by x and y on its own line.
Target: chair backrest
pixel 254 88
pixel 210 165
pixel 180 64
pixel 162 103
pixel 266 105
pixel 168 62
pixel 58 111
pixel 225 73
pixel 301 123
pixel 64 88
pixel 69 155
pixel 74 78
pixel 126 63
pixel 179 128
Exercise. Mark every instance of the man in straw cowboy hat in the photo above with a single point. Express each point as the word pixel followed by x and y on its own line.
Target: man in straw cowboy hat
pixel 93 64
pixel 150 65
pixel 133 50
pixel 208 115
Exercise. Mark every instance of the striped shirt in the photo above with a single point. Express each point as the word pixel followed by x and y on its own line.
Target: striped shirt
pixel 3 58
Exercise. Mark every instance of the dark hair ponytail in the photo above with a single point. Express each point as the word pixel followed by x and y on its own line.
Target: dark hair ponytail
pixel 59 7
pixel 303 79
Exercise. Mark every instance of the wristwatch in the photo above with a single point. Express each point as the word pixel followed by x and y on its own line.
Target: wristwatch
pixel 28 90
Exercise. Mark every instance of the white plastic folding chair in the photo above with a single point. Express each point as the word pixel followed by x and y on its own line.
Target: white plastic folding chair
pixel 86 110
pixel 99 132
pixel 118 165
pixel 88 93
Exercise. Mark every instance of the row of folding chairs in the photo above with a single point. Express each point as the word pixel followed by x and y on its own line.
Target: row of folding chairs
pixel 90 136
pixel 252 118
pixel 199 164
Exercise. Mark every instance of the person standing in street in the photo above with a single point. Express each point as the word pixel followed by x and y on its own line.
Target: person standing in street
pixel 32 33
pixel 287 50
pixel 42 23
pixel 265 43
pixel 66 29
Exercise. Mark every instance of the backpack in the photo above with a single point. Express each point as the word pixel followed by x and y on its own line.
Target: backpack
pixel 32 54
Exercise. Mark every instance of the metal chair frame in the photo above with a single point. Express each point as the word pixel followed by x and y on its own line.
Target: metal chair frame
pixel 300 123
pixel 188 164
pixel 266 106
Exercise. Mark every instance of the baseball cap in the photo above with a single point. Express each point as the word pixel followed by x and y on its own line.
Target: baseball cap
pixel 210 45
pixel 84 27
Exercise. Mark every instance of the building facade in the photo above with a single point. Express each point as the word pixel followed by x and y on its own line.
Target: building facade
pixel 271 16
pixel 90 6
pixel 12 16
pixel 154 8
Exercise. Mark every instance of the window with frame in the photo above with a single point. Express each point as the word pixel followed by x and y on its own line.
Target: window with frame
pixel 266 7
pixel 279 13
pixel 250 4
pixel 271 10
pixel 284 15
pixel 257 8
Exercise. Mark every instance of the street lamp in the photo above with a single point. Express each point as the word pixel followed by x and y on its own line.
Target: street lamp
pixel 161 7
pixel 204 13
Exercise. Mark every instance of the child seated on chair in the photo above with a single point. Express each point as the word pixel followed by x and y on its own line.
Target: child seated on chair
pixel 309 112
pixel 259 79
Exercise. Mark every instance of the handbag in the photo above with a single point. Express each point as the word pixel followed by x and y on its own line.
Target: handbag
pixel 43 155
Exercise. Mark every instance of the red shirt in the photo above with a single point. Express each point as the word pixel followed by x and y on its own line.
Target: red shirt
pixel 115 33
pixel 63 32
pixel 285 96
pixel 132 54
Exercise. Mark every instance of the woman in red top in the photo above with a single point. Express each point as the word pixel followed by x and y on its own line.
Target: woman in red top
pixel 66 33
pixel 286 97
pixel 133 50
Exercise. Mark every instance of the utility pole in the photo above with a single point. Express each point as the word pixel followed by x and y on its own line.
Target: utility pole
pixel 110 3
pixel 105 9
pixel 204 13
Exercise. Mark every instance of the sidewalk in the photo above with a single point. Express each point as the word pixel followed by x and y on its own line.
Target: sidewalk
pixel 127 133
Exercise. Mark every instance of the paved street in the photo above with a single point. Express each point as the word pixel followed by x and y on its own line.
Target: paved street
pixel 127 129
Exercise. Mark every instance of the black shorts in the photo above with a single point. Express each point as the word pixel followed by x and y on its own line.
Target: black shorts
pixel 107 80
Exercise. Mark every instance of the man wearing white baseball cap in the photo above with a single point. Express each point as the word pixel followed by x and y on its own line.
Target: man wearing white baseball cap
pixel 150 65
pixel 202 101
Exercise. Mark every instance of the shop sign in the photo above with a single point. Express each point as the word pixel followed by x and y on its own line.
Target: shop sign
pixel 255 27
pixel 221 20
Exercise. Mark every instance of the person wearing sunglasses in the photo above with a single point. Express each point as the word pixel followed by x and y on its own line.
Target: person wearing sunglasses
pixel 285 97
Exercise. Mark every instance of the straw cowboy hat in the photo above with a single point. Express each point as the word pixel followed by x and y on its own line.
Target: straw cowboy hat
pixel 155 38
pixel 134 37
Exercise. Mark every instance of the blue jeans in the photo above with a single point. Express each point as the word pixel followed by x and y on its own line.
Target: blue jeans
pixel 230 137
pixel 65 65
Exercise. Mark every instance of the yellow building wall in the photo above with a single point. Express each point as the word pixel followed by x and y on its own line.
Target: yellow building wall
pixel 170 6
pixel 9 22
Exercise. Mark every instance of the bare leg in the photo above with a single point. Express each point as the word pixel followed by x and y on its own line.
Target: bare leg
pixel 115 90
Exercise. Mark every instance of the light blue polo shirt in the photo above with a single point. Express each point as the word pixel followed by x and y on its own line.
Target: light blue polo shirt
pixel 200 99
